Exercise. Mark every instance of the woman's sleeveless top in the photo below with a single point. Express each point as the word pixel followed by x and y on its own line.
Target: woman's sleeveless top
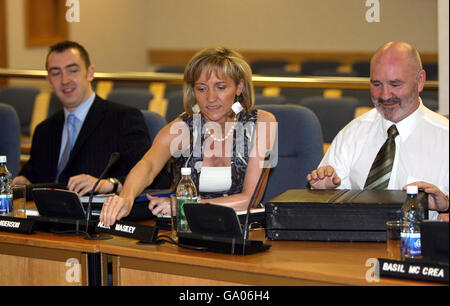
pixel 243 138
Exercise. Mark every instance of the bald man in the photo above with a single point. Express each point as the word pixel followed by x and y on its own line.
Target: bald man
pixel 422 145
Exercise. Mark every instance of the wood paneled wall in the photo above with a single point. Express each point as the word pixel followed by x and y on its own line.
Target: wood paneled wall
pixel 45 22
pixel 181 57
pixel 3 40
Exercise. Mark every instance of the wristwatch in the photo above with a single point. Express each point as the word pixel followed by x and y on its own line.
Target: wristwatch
pixel 115 183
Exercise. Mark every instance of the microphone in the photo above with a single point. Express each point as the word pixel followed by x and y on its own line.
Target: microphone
pixel 264 173
pixel 112 160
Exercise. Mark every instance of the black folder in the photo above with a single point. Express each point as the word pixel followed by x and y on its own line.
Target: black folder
pixel 333 215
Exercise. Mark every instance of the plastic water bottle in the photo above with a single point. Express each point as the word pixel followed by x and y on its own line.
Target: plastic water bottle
pixel 6 194
pixel 186 192
pixel 412 217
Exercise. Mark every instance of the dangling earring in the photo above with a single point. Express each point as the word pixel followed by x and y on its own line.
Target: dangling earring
pixel 237 107
pixel 196 109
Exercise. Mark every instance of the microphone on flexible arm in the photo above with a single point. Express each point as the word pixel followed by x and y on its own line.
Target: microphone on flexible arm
pixel 264 172
pixel 112 160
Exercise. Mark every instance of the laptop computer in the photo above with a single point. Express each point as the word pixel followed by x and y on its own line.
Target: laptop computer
pixel 58 203
pixel 213 220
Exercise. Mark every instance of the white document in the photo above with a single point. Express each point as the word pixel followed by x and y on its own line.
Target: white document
pixel 98 198
pixel 215 179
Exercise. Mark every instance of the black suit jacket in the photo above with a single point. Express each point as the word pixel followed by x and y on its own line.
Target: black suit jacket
pixel 109 127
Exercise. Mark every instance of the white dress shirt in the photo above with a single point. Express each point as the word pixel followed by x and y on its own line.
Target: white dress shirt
pixel 421 153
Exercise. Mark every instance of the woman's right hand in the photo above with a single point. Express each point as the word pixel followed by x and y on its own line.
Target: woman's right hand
pixel 115 208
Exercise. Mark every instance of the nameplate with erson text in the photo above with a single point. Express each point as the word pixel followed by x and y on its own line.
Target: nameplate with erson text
pixel 417 270
pixel 16 225
pixel 131 230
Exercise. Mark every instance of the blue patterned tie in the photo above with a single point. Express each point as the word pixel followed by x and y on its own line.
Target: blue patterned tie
pixel 71 136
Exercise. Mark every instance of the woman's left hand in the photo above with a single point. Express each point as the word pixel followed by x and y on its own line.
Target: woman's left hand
pixel 159 205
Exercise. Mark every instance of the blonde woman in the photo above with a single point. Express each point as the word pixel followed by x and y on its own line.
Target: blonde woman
pixel 220 134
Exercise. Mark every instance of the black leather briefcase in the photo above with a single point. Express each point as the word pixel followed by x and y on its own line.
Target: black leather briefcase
pixel 333 215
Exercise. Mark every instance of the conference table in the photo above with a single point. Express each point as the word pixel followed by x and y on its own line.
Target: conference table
pixel 48 259
pixel 56 259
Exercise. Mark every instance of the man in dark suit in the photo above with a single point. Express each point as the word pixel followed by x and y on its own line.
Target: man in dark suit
pixel 73 146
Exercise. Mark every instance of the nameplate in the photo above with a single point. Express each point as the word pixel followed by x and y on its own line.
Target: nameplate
pixel 16 225
pixel 131 230
pixel 416 270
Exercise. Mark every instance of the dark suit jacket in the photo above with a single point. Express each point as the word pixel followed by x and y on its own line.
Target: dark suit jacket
pixel 109 127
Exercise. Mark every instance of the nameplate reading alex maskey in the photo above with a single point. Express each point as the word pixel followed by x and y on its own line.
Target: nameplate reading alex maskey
pixel 418 270
pixel 16 225
pixel 132 230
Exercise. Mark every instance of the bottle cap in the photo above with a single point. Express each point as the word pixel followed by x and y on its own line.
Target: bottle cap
pixel 412 190
pixel 185 171
pixel 2 159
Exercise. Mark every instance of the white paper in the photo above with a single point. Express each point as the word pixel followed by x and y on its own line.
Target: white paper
pixel 98 198
pixel 215 179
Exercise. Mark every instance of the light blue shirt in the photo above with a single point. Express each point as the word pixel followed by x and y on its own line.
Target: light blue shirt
pixel 80 113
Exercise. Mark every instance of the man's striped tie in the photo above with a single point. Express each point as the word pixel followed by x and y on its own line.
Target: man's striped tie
pixel 380 172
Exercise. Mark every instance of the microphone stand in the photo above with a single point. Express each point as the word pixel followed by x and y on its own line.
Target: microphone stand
pixel 112 160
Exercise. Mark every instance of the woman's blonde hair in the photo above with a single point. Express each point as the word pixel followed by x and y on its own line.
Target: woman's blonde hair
pixel 224 62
